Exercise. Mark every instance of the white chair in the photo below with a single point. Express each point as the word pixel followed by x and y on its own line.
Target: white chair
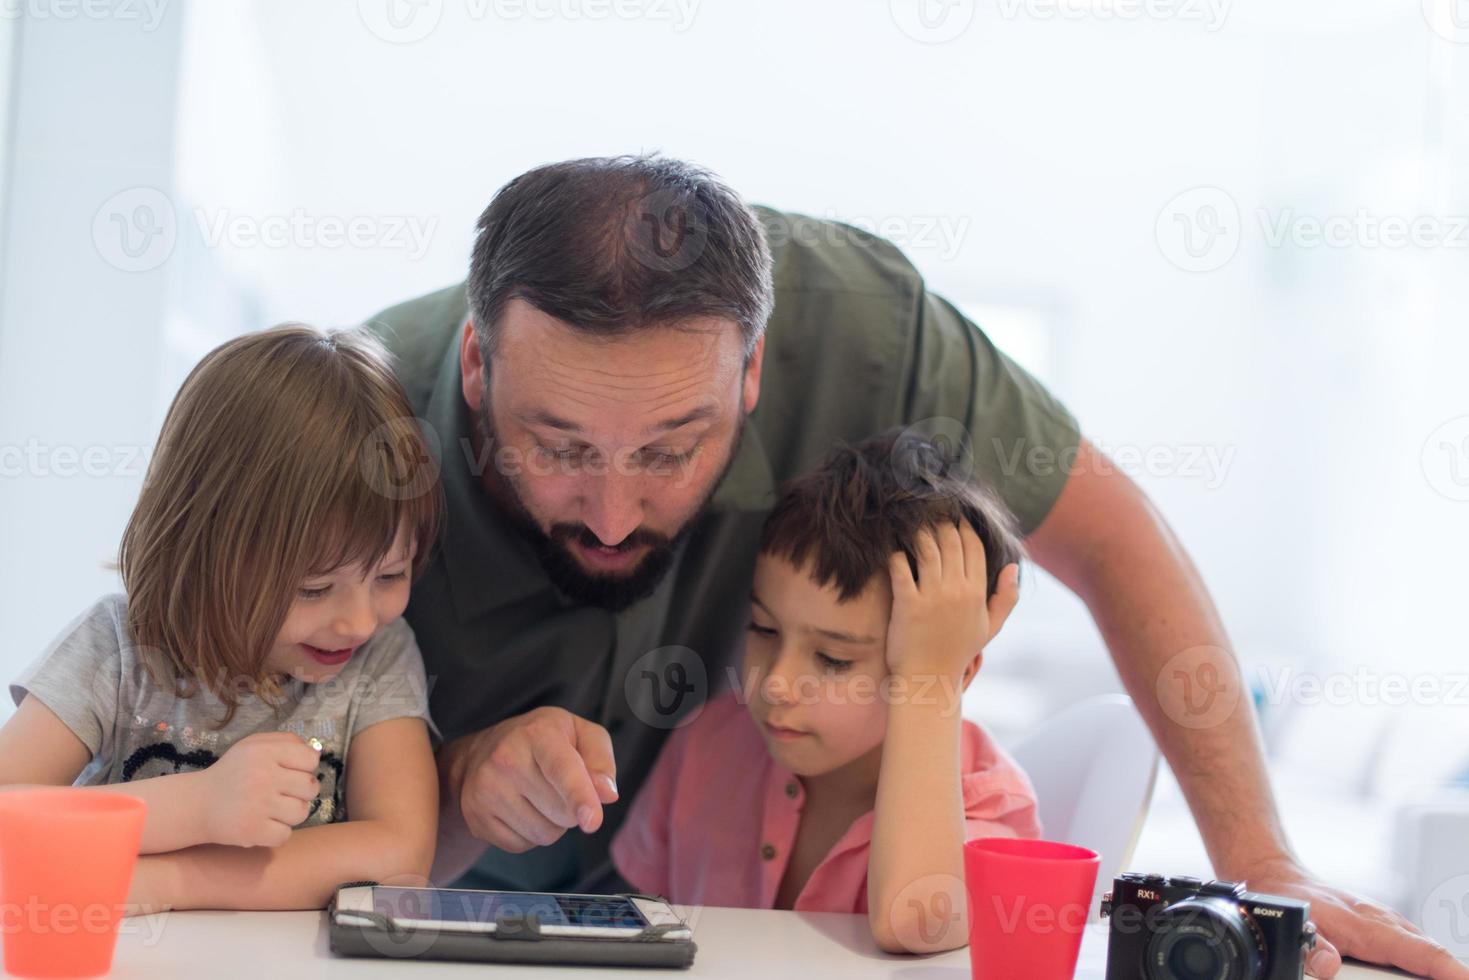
pixel 1093 767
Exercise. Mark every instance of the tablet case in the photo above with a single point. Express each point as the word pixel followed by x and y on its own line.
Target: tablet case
pixel 515 940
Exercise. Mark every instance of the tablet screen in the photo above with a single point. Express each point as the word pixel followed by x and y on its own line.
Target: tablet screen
pixel 451 905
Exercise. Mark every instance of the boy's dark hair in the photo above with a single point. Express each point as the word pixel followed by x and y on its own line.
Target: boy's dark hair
pixel 609 244
pixel 865 502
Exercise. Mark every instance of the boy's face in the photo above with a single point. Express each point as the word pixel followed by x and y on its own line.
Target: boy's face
pixel 814 668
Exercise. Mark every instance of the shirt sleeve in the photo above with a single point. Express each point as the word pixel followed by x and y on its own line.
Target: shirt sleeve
pixel 1022 439
pixel 998 798
pixel 393 684
pixel 78 675
pixel 640 847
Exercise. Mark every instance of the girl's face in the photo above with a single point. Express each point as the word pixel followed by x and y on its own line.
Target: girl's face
pixel 335 613
pixel 814 668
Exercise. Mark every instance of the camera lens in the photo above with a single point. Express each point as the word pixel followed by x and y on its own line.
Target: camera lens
pixel 1204 939
pixel 1192 958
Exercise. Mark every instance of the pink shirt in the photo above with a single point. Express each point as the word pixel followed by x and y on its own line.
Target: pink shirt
pixel 716 820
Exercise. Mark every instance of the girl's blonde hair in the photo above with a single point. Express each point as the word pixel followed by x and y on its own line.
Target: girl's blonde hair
pixel 286 454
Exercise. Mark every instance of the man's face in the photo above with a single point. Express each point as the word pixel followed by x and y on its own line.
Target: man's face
pixel 604 449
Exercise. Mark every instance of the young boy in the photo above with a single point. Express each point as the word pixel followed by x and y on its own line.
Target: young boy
pixel 841 775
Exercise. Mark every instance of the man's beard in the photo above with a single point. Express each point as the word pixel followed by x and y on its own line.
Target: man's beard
pixel 553 549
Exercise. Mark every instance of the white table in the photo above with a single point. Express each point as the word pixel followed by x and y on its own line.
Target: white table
pixel 733 943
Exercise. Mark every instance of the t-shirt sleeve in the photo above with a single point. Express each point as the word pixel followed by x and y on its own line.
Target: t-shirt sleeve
pixel 640 847
pixel 998 798
pixel 1023 440
pixel 78 675
pixel 393 684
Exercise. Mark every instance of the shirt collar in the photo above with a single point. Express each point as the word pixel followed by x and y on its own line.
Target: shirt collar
pixel 490 564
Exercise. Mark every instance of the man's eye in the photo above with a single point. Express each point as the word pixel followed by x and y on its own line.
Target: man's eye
pixel 310 592
pixel 832 663
pixel 667 457
pixel 562 454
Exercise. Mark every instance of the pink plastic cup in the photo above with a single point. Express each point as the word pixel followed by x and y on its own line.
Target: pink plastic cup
pixel 1029 902
pixel 66 862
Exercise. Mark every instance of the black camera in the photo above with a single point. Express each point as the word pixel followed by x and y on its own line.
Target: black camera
pixel 1186 929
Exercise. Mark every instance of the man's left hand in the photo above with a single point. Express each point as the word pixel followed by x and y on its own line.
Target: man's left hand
pixel 1350 925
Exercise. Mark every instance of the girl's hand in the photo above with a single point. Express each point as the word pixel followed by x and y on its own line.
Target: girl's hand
pixel 259 790
pixel 940 622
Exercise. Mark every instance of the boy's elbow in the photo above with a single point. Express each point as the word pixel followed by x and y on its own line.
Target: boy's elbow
pixel 912 930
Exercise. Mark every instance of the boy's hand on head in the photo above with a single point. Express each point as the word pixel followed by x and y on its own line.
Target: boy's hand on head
pixel 259 790
pixel 941 620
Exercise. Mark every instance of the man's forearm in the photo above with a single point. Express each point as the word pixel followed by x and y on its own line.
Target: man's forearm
pixel 1106 542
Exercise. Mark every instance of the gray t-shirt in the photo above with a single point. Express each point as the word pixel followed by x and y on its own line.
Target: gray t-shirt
pixel 92 678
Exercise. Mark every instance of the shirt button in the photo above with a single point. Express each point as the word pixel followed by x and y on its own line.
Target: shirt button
pixel 768 852
pixel 792 789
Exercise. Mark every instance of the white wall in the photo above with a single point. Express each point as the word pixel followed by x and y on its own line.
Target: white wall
pixel 1048 148
pixel 90 170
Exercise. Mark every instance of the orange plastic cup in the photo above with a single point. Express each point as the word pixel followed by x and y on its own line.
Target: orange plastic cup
pixel 1029 902
pixel 66 861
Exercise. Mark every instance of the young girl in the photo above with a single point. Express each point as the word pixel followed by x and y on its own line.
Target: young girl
pixel 840 776
pixel 256 684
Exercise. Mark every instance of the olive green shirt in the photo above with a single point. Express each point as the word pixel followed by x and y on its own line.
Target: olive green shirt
pixel 855 345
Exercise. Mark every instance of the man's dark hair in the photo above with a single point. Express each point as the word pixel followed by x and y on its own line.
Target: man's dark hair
pixel 609 244
pixel 867 501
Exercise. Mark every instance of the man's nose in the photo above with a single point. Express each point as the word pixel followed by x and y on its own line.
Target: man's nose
pixel 613 508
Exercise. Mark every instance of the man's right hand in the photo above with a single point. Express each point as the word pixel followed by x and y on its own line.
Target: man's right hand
pixel 528 780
